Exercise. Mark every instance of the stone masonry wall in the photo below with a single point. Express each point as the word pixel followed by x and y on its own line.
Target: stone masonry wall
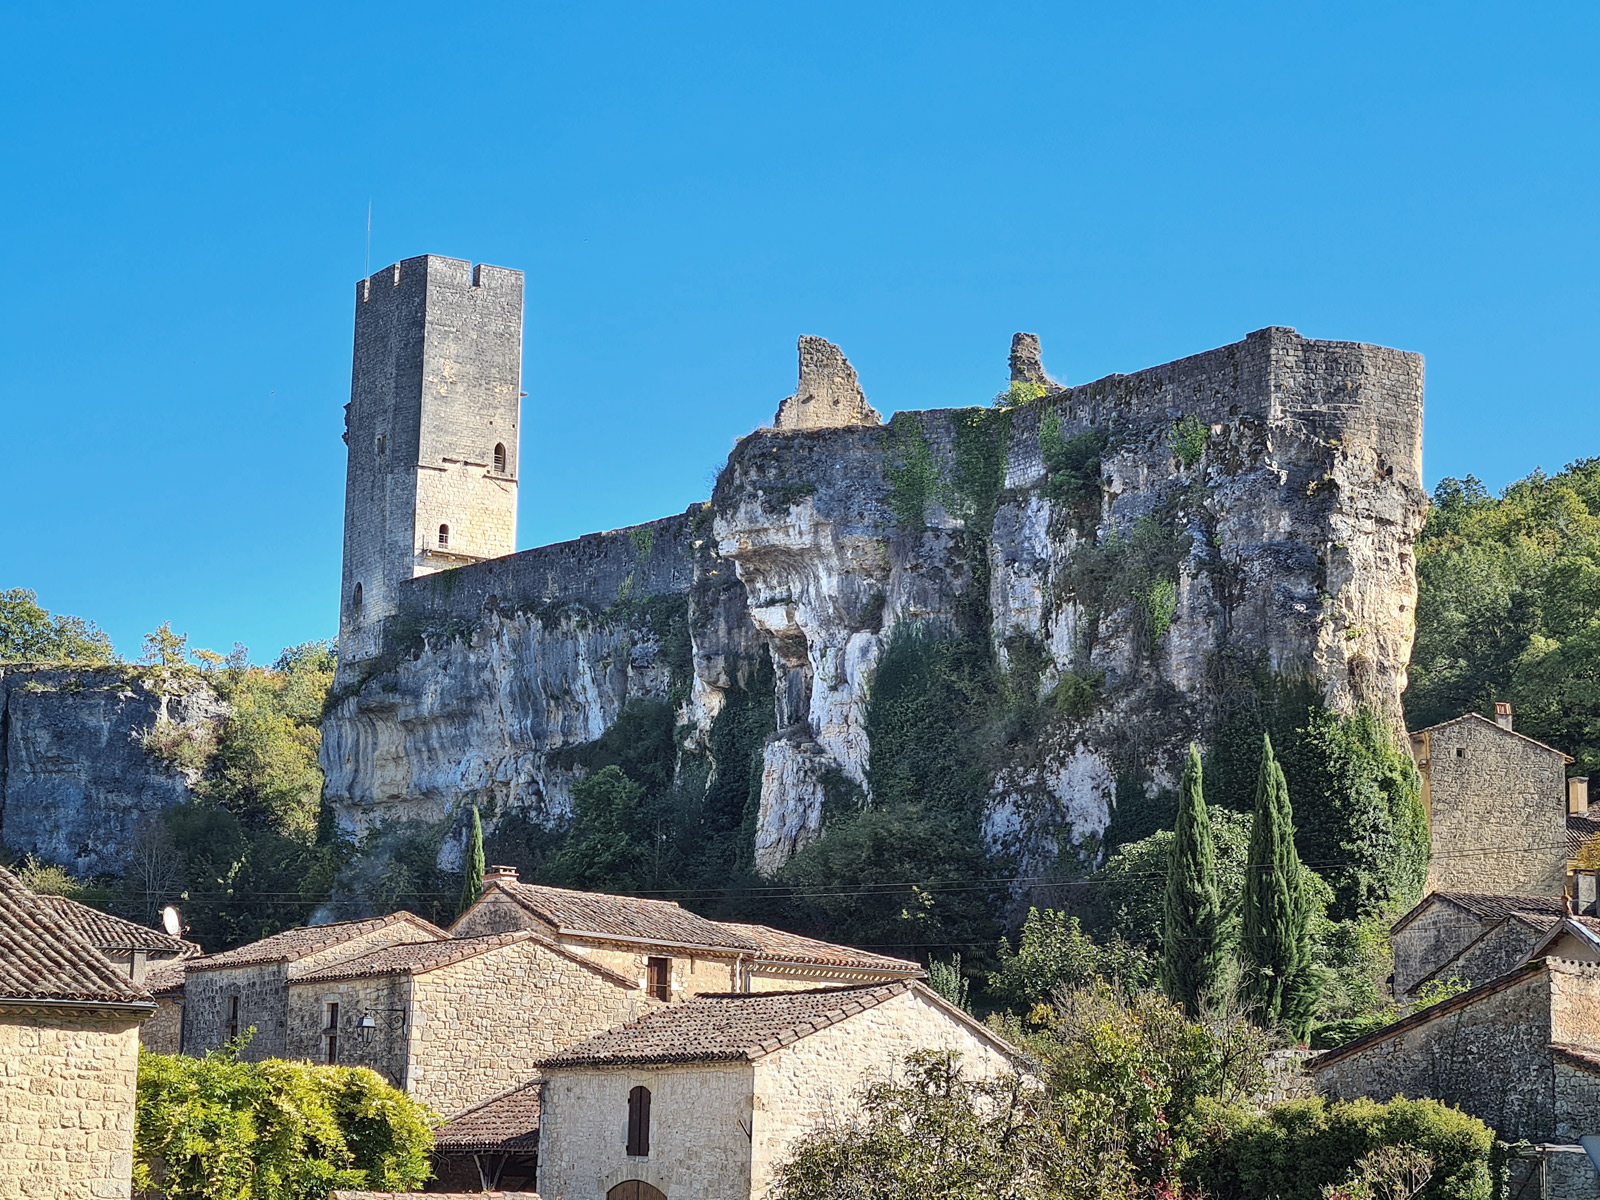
pixel 67 1089
pixel 263 991
pixel 385 1047
pixel 479 1025
pixel 76 785
pixel 1497 808
pixel 163 1033
pixel 1503 949
pixel 1489 1056
pixel 816 1079
pixel 689 975
pixel 1429 940
pixel 700 1120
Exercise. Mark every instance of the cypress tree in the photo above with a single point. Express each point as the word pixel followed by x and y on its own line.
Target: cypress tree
pixel 1277 912
pixel 1191 956
pixel 472 864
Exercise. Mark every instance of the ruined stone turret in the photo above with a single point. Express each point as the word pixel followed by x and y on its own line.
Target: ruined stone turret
pixel 1026 364
pixel 827 395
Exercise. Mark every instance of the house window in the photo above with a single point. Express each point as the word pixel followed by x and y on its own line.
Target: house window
pixel 383 444
pixel 1461 751
pixel 639 1123
pixel 499 459
pixel 444 537
pixel 355 598
pixel 658 978
pixel 330 1032
pixel 233 1017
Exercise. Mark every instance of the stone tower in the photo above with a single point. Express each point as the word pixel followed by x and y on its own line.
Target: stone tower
pixel 435 397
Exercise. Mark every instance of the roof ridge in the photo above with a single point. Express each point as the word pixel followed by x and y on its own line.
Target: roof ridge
pixel 1495 724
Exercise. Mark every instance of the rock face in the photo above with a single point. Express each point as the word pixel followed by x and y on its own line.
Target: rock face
pixel 1141 552
pixel 75 776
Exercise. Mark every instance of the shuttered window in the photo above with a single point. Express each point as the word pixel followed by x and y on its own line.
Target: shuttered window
pixel 658 975
pixel 639 1122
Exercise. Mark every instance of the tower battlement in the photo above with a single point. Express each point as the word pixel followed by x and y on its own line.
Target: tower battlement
pixel 431 429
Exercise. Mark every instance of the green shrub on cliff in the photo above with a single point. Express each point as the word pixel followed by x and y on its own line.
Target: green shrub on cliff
pixel 31 634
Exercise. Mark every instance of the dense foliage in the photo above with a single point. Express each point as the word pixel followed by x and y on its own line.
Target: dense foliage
pixel 1275 929
pixel 31 634
pixel 215 1128
pixel 1508 607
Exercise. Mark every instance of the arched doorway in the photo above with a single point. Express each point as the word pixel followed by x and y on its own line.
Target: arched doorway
pixel 635 1189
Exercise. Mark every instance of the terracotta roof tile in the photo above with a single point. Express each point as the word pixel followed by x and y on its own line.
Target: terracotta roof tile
pixel 1494 907
pixel 623 916
pixel 107 932
pixel 730 1027
pixel 508 1122
pixel 44 958
pixel 294 944
pixel 1579 831
pixel 415 958
pixel 792 947
pixel 166 978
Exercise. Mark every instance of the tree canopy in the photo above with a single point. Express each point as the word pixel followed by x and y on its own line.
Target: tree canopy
pixel 32 634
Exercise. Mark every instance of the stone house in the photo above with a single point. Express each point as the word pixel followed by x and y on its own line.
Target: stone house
pixel 1497 804
pixel 248 987
pixel 456 1020
pixel 1521 1053
pixel 493 1144
pixel 672 953
pixel 150 957
pixel 69 1045
pixel 1468 936
pixel 704 1098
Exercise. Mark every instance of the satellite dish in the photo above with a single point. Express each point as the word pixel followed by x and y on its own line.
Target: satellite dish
pixel 171 921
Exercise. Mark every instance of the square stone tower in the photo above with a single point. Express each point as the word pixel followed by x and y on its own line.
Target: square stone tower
pixel 435 400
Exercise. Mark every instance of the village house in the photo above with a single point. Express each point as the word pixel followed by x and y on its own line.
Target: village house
pixel 1467 936
pixel 1497 805
pixel 492 1145
pixel 225 995
pixel 150 957
pixel 1520 1052
pixel 671 952
pixel 69 1042
pixel 456 1020
pixel 704 1098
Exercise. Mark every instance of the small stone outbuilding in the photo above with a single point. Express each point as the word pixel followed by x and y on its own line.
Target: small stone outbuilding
pixel 1468 936
pixel 1521 1053
pixel 454 1021
pixel 69 1057
pixel 493 1144
pixel 703 1099
pixel 227 994
pixel 1497 805
pixel 672 953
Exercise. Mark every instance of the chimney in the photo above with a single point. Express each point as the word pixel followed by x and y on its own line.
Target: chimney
pixel 1502 714
pixel 1584 893
pixel 1578 796
pixel 499 875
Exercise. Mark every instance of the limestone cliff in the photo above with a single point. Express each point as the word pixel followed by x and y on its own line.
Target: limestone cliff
pixel 1139 552
pixel 76 778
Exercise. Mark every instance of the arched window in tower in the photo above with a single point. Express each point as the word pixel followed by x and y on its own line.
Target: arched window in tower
pixel 639 1122
pixel 499 459
pixel 444 537
pixel 355 599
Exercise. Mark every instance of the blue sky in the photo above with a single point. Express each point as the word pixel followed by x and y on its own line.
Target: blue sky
pixel 691 186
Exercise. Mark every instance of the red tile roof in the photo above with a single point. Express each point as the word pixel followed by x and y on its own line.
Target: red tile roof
pixel 781 946
pixel 294 944
pixel 724 1028
pixel 166 978
pixel 107 932
pixel 508 1123
pixel 1579 831
pixel 627 917
pixel 43 958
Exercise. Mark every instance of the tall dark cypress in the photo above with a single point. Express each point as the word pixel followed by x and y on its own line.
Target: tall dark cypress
pixel 1191 955
pixel 472 864
pixel 1276 941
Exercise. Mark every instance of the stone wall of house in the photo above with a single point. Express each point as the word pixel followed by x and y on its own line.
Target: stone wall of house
pixel 818 1078
pixel 263 991
pixel 690 975
pixel 163 1033
pixel 700 1121
pixel 498 913
pixel 1497 808
pixel 1429 940
pixel 478 1024
pixel 1488 1055
pixel 1577 1099
pixel 67 1090
pixel 385 1047
pixel 1503 948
